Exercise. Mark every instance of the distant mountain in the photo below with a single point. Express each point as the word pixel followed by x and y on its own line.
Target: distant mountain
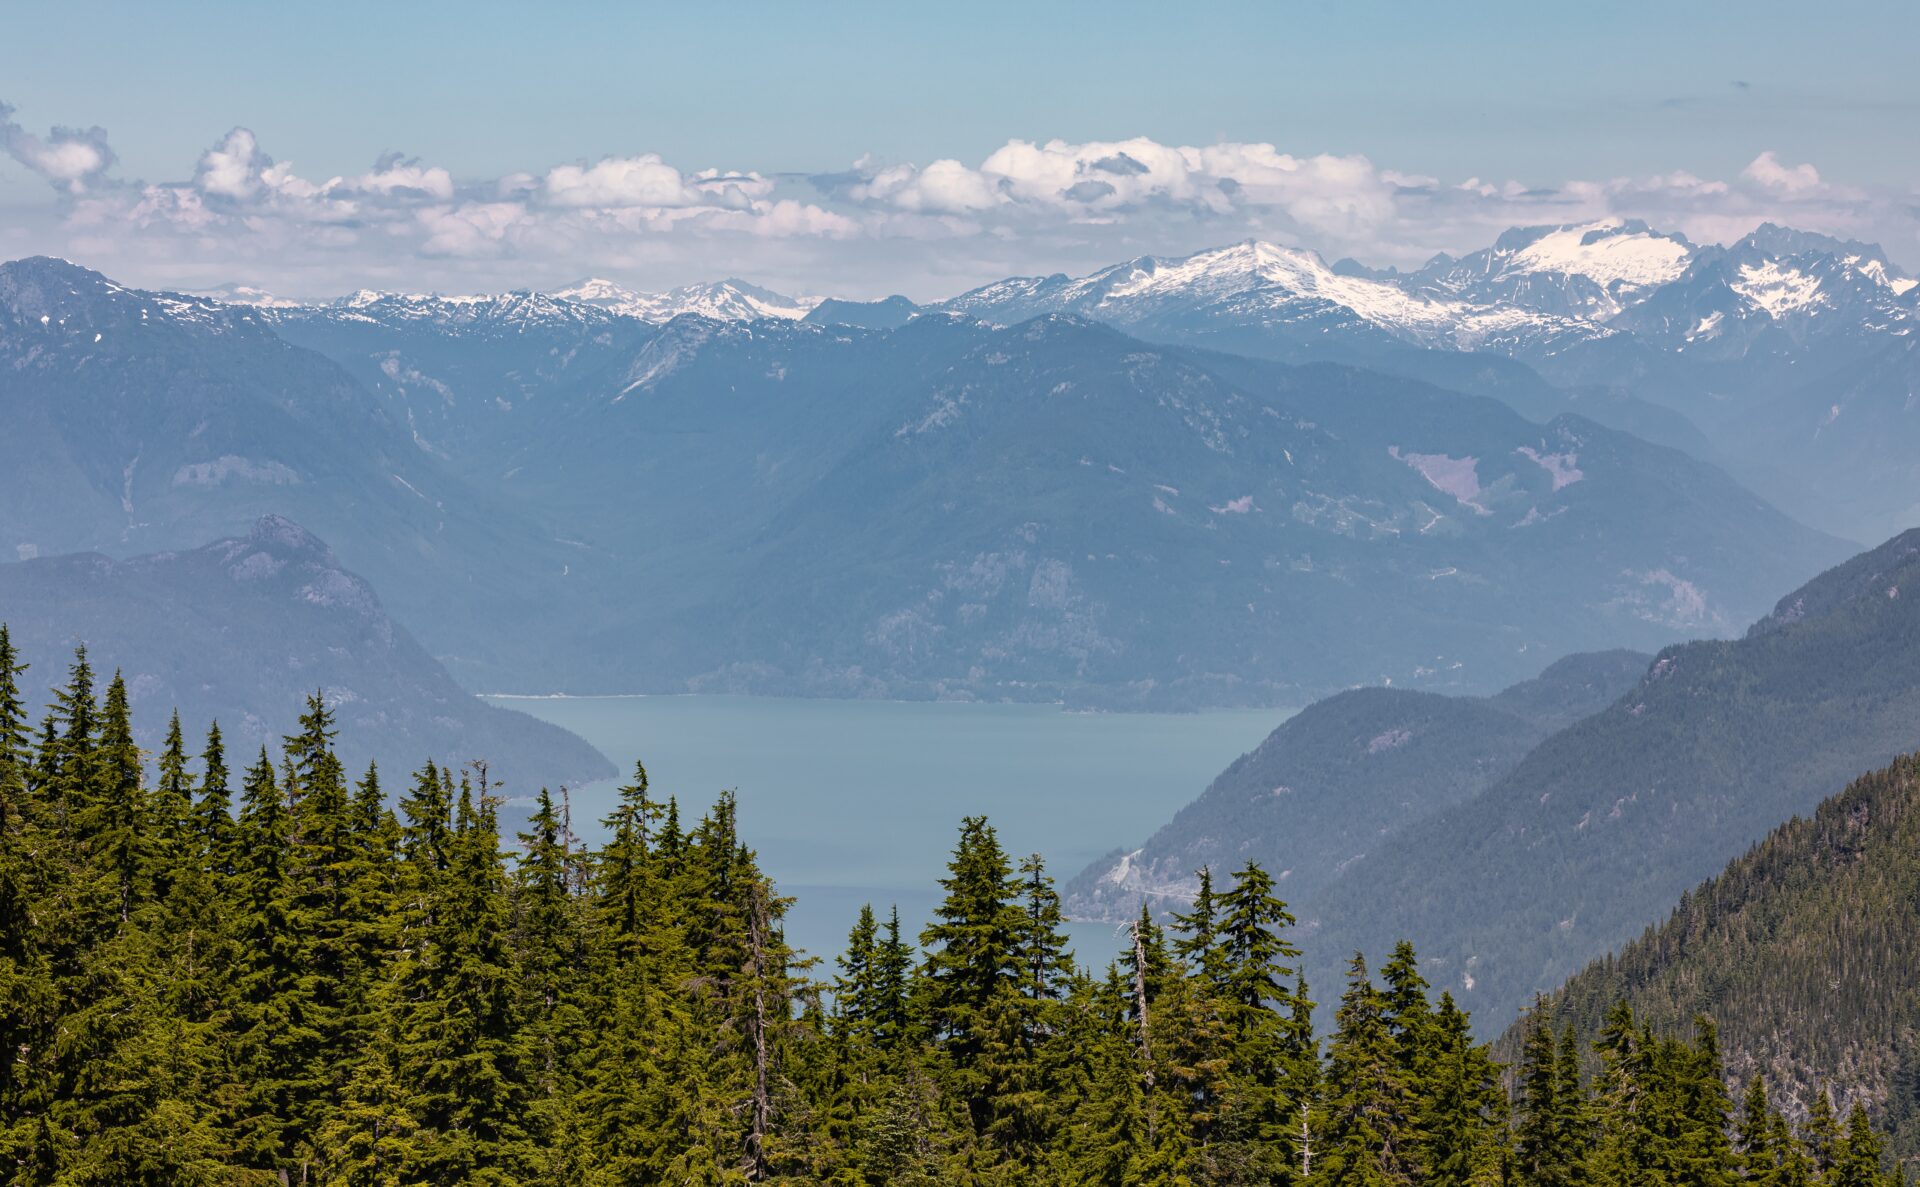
pixel 1281 302
pixel 1056 510
pixel 555 496
pixel 138 421
pixel 1326 786
pixel 466 376
pixel 1591 270
pixel 725 300
pixel 889 313
pixel 1801 951
pixel 1785 356
pixel 244 628
pixel 1716 744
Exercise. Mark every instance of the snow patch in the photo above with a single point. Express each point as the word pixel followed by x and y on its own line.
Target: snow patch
pixel 1606 254
pixel 1777 290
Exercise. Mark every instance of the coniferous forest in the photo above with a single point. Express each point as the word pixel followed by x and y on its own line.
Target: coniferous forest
pixel 261 968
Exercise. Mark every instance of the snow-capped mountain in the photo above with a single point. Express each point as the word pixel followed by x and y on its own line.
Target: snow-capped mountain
pixel 1282 292
pixel 724 300
pixel 1804 285
pixel 246 294
pixel 515 310
pixel 1587 270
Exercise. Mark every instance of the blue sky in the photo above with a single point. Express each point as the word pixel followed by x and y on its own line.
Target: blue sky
pixel 1523 97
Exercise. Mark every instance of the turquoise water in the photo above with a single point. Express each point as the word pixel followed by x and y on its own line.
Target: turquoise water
pixel 849 802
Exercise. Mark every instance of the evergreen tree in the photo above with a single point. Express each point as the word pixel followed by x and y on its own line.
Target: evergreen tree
pixel 315 991
pixel 1822 1131
pixel 458 1040
pixel 1366 1102
pixel 1198 945
pixel 968 995
pixel 213 811
pixel 1759 1161
pixel 1857 1163
pixel 1540 1147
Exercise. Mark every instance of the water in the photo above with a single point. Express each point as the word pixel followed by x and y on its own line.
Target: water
pixel 851 802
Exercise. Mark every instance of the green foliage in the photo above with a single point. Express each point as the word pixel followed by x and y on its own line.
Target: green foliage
pixel 321 991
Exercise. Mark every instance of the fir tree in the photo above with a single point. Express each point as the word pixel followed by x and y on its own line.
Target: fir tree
pixel 1366 1139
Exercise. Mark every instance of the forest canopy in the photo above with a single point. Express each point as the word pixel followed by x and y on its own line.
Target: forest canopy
pixel 265 969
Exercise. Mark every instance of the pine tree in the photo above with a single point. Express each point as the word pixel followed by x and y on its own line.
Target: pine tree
pixel 114 823
pixel 893 958
pixel 457 1028
pixel 855 990
pixel 1462 1110
pixel 1702 1156
pixel 1857 1163
pixel 174 846
pixel 1271 1057
pixel 1540 1146
pixel 1365 1101
pixel 1758 1159
pixel 1822 1131
pixel 276 1018
pixel 1573 1118
pixel 213 811
pixel 1198 945
pixel 968 991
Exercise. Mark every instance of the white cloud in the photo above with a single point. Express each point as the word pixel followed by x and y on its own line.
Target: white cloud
pixel 645 180
pixel 928 230
pixel 70 158
pixel 1766 170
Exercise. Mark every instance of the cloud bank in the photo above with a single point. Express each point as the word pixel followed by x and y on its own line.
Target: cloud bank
pixel 241 215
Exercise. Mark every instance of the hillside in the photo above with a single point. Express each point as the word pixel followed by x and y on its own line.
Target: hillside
pixel 243 629
pixel 1058 511
pixel 1333 780
pixel 1718 742
pixel 1801 951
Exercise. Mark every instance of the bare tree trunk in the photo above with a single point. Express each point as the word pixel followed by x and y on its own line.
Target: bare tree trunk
pixel 1146 1043
pixel 762 1102
pixel 1306 1145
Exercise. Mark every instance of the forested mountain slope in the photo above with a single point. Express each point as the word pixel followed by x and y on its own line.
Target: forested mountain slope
pixel 1802 952
pixel 1056 509
pixel 1603 825
pixel 1336 779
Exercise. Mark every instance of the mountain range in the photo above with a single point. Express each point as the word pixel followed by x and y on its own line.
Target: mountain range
pixel 1243 476
pixel 1785 356
pixel 1054 510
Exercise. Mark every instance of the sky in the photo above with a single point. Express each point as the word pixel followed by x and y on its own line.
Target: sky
pixel 857 148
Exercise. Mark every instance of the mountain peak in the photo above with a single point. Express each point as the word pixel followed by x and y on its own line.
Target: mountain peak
pixel 282 535
pixel 731 299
